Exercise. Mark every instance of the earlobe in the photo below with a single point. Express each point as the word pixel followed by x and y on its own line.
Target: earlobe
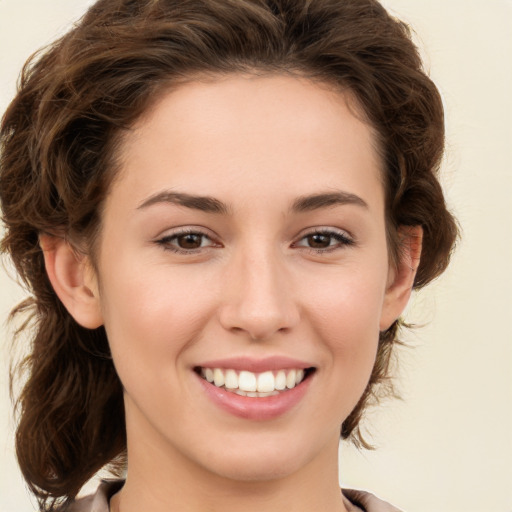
pixel 402 275
pixel 73 280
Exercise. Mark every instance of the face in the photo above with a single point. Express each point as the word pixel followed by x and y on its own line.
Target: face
pixel 244 242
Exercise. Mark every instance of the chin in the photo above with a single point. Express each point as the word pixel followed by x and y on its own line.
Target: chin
pixel 258 462
pixel 253 471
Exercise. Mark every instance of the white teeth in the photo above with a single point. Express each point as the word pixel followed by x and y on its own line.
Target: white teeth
pixel 280 382
pixel 290 379
pixel 218 377
pixel 270 393
pixel 231 379
pixel 266 382
pixel 247 383
pixel 208 374
pixel 253 394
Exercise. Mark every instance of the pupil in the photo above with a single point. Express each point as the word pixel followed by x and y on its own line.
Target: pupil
pixel 189 241
pixel 319 241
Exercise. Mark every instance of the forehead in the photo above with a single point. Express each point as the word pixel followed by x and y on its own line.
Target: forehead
pixel 250 134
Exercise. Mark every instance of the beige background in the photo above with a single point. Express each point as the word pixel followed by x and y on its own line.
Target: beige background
pixel 447 447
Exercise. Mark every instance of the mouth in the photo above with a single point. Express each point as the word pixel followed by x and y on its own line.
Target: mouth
pixel 255 385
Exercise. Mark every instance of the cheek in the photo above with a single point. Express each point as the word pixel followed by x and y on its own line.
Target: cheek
pixel 345 314
pixel 150 318
pixel 348 303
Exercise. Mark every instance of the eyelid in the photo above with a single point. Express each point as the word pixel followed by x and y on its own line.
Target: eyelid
pixel 326 230
pixel 168 235
pixel 184 230
pixel 343 237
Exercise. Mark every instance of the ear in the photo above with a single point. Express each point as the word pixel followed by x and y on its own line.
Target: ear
pixel 73 279
pixel 401 275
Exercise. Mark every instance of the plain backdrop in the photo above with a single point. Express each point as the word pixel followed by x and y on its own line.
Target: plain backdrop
pixel 447 446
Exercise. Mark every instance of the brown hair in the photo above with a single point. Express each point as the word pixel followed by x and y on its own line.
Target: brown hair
pixel 58 146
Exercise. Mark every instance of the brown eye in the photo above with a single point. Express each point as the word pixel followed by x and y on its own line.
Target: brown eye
pixel 324 241
pixel 319 241
pixel 189 241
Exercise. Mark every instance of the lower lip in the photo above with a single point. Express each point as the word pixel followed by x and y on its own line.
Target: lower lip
pixel 256 408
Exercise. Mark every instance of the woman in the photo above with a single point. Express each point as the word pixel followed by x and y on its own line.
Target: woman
pixel 221 208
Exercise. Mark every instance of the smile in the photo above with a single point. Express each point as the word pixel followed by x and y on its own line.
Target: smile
pixel 254 385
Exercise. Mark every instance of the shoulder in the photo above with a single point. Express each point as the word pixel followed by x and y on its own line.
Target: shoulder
pixel 367 502
pixel 97 502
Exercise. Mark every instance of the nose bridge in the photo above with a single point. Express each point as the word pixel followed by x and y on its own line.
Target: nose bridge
pixel 259 299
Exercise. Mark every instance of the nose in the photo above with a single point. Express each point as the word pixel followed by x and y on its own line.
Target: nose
pixel 259 297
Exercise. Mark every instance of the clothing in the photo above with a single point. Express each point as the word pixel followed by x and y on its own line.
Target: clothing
pixel 367 502
pixel 355 501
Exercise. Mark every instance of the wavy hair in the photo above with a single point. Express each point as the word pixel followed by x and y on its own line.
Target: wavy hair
pixel 58 143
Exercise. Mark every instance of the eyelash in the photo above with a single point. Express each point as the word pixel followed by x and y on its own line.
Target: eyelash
pixel 343 240
pixel 166 241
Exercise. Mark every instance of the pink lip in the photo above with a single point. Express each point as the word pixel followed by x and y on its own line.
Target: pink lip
pixel 257 365
pixel 253 408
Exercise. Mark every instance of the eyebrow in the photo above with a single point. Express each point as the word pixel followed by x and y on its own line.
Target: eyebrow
pixel 324 200
pixel 210 204
pixel 203 203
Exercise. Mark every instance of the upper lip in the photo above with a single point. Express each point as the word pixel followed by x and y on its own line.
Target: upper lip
pixel 257 365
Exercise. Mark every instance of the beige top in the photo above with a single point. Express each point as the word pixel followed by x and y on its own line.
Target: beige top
pixel 355 501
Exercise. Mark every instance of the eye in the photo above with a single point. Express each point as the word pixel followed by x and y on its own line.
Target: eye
pixel 324 240
pixel 186 242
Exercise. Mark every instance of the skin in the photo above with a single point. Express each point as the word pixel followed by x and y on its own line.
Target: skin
pixel 253 287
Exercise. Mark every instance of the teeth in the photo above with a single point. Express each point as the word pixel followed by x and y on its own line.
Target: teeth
pixel 266 382
pixel 218 377
pixel 231 379
pixel 280 382
pixel 208 374
pixel 253 394
pixel 290 379
pixel 250 384
pixel 247 381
